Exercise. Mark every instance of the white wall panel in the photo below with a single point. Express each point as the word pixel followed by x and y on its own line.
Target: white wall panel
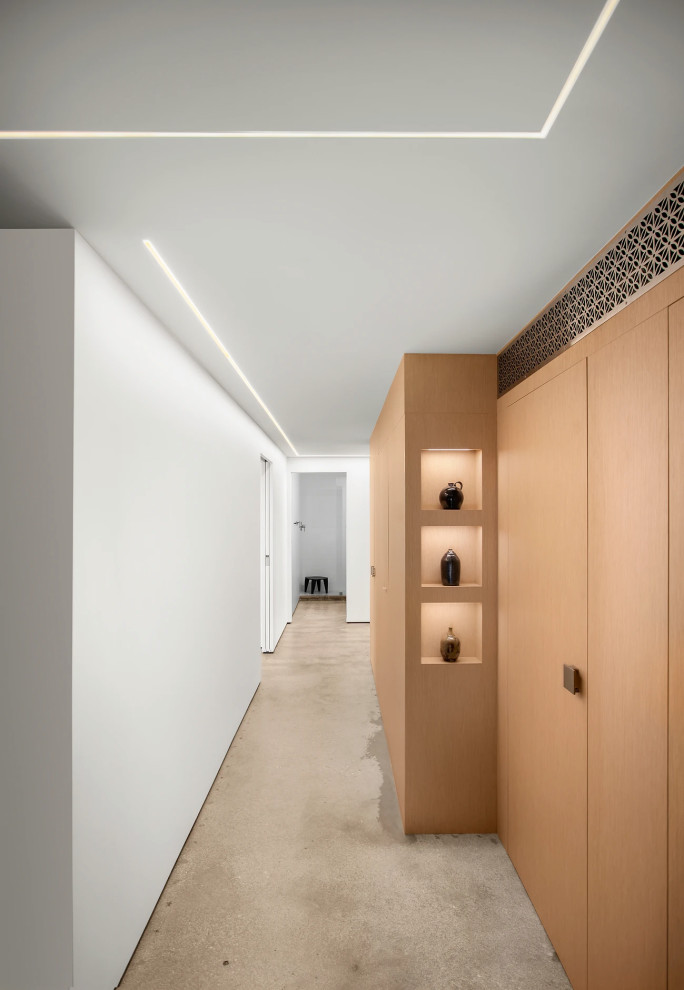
pixel 166 605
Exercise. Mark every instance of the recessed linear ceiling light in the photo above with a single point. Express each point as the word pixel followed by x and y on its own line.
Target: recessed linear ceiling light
pixel 207 326
pixel 568 85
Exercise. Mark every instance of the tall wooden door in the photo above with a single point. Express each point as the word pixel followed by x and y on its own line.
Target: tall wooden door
pixel 546 457
pixel 628 660
pixel 676 761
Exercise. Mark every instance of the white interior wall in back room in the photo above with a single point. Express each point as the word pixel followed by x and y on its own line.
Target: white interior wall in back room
pixel 357 471
pixel 322 544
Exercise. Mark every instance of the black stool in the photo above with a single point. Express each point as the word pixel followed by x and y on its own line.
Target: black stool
pixel 315 581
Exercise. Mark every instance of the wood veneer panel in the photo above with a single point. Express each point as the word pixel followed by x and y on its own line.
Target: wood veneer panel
pixel 466 541
pixel 396 610
pixel 373 493
pixel 676 719
pixel 449 383
pixel 387 595
pixel 440 721
pixel 378 540
pixel 451 709
pixel 438 467
pixel 546 506
pixel 502 664
pixel 628 660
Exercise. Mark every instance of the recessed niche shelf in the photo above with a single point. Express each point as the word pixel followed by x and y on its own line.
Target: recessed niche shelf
pixel 465 540
pixel 439 467
pixel 451 517
pixel 443 743
pixel 465 618
pixel 439 594
pixel 457 587
pixel 440 662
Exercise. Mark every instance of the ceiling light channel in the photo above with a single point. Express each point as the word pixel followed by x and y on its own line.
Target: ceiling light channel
pixel 582 59
pixel 274 135
pixel 207 326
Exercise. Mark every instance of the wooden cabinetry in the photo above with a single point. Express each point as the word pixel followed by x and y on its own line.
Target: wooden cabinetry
pixel 676 644
pixel 628 660
pixel 591 562
pixel 544 436
pixel 438 425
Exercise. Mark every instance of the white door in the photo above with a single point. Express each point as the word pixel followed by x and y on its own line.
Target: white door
pixel 265 546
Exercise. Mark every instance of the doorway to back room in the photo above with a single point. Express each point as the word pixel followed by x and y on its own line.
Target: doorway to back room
pixel 266 571
pixel 319 537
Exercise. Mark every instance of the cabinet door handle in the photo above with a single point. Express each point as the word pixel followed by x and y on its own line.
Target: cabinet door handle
pixel 572 681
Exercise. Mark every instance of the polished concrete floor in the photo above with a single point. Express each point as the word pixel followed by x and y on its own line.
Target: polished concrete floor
pixel 297 874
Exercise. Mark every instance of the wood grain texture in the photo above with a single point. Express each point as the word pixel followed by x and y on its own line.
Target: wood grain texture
pixel 387 587
pixel 502 664
pixel 464 617
pixel 450 714
pixel 676 673
pixel 546 523
pixel 465 541
pixel 449 383
pixel 460 517
pixel 628 660
pixel 438 467
pixel 387 594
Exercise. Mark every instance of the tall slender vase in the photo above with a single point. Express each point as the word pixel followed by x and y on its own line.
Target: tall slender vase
pixel 451 569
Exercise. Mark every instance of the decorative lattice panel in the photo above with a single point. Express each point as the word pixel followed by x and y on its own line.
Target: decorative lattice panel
pixel 645 251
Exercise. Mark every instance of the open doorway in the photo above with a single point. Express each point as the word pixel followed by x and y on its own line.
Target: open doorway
pixel 266 580
pixel 319 535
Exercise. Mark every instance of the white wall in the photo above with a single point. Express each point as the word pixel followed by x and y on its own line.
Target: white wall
pixel 166 605
pixel 357 470
pixel 36 429
pixel 322 544
pixel 158 470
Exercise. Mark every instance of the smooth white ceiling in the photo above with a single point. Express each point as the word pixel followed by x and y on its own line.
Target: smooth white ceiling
pixel 319 263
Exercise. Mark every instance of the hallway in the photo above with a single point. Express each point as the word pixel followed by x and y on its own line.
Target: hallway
pixel 297 873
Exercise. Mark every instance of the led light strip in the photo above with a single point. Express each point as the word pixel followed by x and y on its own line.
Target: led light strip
pixel 269 135
pixel 207 326
pixel 583 58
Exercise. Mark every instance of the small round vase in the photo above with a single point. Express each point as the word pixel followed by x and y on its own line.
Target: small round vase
pixel 450 647
pixel 451 569
pixel 451 497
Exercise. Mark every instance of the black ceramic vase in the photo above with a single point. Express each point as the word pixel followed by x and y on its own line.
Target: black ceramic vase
pixel 451 497
pixel 450 647
pixel 451 569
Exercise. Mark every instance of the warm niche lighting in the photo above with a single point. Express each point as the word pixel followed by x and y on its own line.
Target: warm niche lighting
pixel 207 326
